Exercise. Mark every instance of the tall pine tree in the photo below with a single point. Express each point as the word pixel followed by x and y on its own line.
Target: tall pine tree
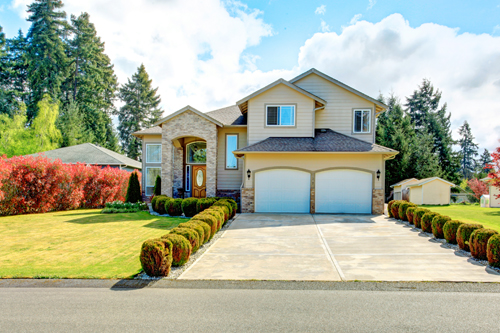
pixel 468 150
pixel 91 81
pixel 47 59
pixel 482 163
pixel 14 78
pixel 139 112
pixel 70 124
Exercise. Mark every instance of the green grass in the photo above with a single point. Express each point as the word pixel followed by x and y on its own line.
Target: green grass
pixel 489 217
pixel 77 244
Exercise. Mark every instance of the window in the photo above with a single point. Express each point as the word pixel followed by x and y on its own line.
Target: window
pixel 231 145
pixel 151 174
pixel 362 121
pixel 188 178
pixel 153 153
pixel 196 153
pixel 280 115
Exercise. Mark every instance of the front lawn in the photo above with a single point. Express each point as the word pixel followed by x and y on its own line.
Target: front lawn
pixel 77 244
pixel 489 217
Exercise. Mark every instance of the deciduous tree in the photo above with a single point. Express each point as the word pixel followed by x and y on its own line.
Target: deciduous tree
pixel 478 187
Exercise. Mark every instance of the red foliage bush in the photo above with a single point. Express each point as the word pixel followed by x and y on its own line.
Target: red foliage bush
pixel 36 184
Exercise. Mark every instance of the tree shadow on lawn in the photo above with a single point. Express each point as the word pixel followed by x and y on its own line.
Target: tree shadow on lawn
pixel 495 214
pixel 155 222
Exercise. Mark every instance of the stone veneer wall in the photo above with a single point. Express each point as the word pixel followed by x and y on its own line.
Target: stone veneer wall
pixel 234 194
pixel 188 124
pixel 247 200
pixel 378 202
pixel 178 170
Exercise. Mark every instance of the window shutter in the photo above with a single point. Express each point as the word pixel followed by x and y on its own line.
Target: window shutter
pixel 272 115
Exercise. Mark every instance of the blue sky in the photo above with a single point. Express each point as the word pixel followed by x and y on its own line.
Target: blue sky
pixel 211 53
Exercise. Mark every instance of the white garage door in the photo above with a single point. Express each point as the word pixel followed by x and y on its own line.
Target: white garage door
pixel 344 191
pixel 282 191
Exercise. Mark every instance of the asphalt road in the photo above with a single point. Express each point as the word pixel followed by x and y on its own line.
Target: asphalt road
pixel 223 309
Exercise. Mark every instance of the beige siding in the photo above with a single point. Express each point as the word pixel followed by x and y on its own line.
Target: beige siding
pixel 436 193
pixel 229 179
pixel 494 202
pixel 338 114
pixel 281 94
pixel 416 195
pixel 315 162
pixel 148 139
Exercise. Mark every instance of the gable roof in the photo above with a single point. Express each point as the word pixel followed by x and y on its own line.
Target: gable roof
pixel 243 103
pixel 148 131
pixel 428 180
pixel 325 140
pixel 340 84
pixel 230 115
pixel 403 182
pixel 89 153
pixel 184 109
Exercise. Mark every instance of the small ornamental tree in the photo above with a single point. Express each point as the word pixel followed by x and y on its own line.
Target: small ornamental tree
pixel 478 187
pixel 134 189
pixel 494 168
pixel 157 189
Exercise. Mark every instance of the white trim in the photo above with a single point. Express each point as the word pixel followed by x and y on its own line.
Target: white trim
pixel 187 153
pixel 279 106
pixel 184 109
pixel 430 180
pixel 354 121
pixel 188 181
pixel 152 144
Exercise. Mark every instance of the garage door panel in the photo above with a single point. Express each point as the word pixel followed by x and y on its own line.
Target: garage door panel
pixel 282 191
pixel 344 191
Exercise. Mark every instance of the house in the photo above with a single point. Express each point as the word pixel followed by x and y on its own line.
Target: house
pixel 300 146
pixel 92 154
pixel 494 200
pixel 430 191
pixel 401 186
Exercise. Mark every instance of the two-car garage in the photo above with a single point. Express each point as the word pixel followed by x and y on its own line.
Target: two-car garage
pixel 337 190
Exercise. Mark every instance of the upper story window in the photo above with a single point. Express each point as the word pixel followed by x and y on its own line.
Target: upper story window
pixel 231 145
pixel 153 153
pixel 362 121
pixel 196 153
pixel 280 115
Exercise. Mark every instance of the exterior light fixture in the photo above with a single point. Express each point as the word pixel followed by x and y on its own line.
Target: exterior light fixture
pixel 378 174
pixel 249 173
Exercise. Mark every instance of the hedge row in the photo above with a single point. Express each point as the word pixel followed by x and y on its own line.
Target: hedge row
pixel 190 206
pixel 158 255
pixel 482 243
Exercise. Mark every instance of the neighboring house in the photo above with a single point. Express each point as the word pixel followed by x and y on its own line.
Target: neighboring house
pixel 431 191
pixel 398 188
pixel 494 191
pixel 91 154
pixel 299 146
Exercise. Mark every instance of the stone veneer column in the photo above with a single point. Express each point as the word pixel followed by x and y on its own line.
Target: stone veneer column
pixel 313 195
pixel 178 169
pixel 378 202
pixel 211 182
pixel 166 163
pixel 247 200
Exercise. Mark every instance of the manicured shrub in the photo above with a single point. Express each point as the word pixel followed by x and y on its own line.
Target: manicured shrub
pixel 219 213
pixel 437 225
pixel 190 234
pixel 160 204
pixel 157 188
pixel 226 206
pixel 493 251
pixel 409 213
pixel 478 242
pixel 403 208
pixel 463 234
pixel 389 206
pixel 203 204
pixel 134 189
pixel 426 222
pixel 189 207
pixel 154 202
pixel 234 205
pixel 156 257
pixel 173 207
pixel 181 248
pixel 417 216
pixel 197 228
pixel 395 209
pixel 208 219
pixel 450 231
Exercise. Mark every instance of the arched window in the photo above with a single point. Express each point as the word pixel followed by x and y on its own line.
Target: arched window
pixel 196 153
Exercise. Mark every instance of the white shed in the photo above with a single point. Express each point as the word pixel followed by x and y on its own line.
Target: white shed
pixel 431 191
pixel 494 193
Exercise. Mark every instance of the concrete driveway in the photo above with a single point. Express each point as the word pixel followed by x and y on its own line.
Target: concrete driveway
pixel 330 248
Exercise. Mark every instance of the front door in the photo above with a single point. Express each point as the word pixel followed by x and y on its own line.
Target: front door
pixel 199 181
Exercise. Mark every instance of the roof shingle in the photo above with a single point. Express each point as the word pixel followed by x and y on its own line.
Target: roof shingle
pixel 230 115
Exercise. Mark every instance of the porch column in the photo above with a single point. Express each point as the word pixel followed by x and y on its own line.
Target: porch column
pixel 212 165
pixel 166 163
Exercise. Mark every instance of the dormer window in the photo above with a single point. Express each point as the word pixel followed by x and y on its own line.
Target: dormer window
pixel 362 121
pixel 280 115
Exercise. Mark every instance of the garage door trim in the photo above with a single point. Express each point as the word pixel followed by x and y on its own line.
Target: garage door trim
pixel 352 168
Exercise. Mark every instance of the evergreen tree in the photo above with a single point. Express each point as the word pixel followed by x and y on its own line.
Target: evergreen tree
pixel 140 110
pixel 157 188
pixel 468 150
pixel 425 161
pixel 70 124
pixel 47 60
pixel 91 81
pixel 134 189
pixel 482 169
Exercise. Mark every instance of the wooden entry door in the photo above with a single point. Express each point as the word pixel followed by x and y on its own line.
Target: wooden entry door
pixel 199 181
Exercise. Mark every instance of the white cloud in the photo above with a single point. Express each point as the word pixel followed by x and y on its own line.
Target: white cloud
pixel 371 3
pixel 321 10
pixel 324 27
pixel 391 55
pixel 355 18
